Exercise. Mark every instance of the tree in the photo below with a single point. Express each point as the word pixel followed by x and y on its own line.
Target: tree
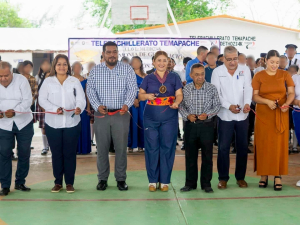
pixel 182 9
pixel 9 16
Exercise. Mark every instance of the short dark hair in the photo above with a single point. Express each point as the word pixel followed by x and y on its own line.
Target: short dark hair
pixel 101 56
pixel 186 60
pixel 283 56
pixel 256 61
pixel 152 58
pixel 296 67
pixel 27 62
pixel 250 57
pixel 173 61
pixel 196 65
pixel 273 53
pixel 109 43
pixel 125 58
pixel 220 56
pixel 210 53
pixel 214 47
pixel 201 49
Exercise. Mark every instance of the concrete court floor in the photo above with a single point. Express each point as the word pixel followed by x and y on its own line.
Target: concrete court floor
pixel 139 206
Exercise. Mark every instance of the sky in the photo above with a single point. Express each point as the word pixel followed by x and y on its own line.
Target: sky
pixel 71 13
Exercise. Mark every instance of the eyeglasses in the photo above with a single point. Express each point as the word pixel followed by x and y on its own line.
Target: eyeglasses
pixel 230 60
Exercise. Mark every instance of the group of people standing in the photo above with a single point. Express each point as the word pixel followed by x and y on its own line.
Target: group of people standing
pixel 131 109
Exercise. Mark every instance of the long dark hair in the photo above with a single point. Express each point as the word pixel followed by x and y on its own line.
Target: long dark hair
pixel 142 66
pixel 41 70
pixel 273 53
pixel 59 56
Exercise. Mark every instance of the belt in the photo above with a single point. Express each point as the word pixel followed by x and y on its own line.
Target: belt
pixel 204 121
pixel 161 101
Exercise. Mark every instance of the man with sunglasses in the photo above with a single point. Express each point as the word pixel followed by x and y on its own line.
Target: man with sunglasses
pixel 233 82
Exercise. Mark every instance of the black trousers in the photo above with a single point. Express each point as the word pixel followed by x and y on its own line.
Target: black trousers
pixel 199 135
pixel 7 141
pixel 63 144
pixel 226 130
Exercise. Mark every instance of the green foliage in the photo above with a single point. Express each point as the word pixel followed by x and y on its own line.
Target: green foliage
pixel 9 16
pixel 182 9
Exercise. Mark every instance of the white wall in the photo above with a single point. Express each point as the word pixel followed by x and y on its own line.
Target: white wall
pixel 14 57
pixel 266 38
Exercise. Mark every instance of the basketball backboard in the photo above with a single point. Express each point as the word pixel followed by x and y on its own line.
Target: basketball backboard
pixel 129 11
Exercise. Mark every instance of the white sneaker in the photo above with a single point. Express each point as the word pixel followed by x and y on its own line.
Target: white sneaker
pixel 298 184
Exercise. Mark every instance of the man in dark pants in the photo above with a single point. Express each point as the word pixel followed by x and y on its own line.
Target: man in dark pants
pixel 200 104
pixel 14 125
pixel 233 82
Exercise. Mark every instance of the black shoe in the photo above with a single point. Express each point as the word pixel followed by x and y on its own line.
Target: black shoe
pixel 4 192
pixel 102 185
pixel 177 143
pixel 44 151
pixel 182 147
pixel 249 151
pixel 264 184
pixel 187 188
pixel 179 139
pixel 277 187
pixel 216 143
pixel 122 185
pixel 233 150
pixel 14 158
pixel 208 189
pixel 93 143
pixel 250 144
pixel 22 187
pixel 31 147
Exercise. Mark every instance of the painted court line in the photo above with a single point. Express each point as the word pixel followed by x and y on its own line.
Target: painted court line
pixel 140 200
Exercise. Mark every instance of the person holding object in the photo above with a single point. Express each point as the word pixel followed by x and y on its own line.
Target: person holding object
pixel 273 93
pixel 200 105
pixel 233 82
pixel 163 90
pixel 15 122
pixel 63 97
pixel 111 89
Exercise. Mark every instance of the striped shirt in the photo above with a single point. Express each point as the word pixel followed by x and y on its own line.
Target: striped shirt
pixel 198 101
pixel 112 88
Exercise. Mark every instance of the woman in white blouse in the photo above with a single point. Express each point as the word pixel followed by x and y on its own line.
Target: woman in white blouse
pixel 59 94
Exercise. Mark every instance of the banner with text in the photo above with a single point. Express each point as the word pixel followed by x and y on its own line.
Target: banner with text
pixel 86 50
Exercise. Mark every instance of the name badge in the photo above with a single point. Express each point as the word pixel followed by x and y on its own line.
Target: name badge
pixel 241 73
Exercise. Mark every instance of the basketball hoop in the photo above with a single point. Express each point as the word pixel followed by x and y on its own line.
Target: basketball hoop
pixel 139 15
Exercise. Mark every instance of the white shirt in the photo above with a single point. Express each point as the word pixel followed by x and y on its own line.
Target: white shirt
pixel 293 62
pixel 296 79
pixel 258 69
pixel 17 96
pixel 233 90
pixel 182 75
pixel 53 95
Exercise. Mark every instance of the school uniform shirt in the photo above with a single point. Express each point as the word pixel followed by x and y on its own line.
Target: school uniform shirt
pixel 233 90
pixel 17 96
pixel 208 73
pixel 69 95
pixel 188 69
pixel 258 69
pixel 294 61
pixel 296 79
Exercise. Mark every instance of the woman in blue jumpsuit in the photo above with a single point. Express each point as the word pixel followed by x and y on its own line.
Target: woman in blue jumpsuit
pixel 163 90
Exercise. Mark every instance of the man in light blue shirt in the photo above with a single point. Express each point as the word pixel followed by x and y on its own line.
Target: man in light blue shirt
pixel 201 56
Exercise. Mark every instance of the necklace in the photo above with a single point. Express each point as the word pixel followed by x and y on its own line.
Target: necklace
pixel 163 88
